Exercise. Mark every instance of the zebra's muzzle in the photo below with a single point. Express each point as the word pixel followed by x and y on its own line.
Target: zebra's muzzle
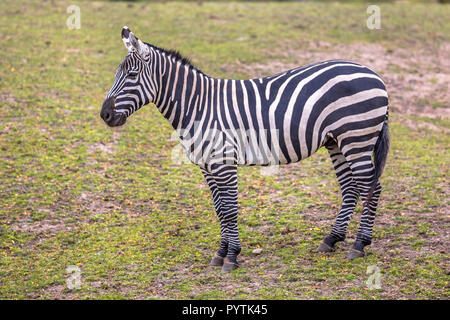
pixel 110 116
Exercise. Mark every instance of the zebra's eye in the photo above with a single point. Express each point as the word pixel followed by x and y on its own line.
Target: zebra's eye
pixel 132 75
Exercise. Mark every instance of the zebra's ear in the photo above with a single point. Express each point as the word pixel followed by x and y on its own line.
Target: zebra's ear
pixel 132 43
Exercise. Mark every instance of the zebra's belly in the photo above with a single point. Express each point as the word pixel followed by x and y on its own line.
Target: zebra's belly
pixel 244 148
pixel 269 157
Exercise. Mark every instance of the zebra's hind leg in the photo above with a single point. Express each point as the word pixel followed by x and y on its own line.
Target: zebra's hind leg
pixel 350 196
pixel 364 235
pixel 363 173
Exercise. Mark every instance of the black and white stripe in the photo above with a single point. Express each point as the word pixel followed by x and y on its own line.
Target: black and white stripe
pixel 280 119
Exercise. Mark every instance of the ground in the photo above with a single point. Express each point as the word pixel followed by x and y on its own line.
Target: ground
pixel 74 192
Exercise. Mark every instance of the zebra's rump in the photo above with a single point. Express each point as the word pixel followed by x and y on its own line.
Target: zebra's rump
pixel 286 117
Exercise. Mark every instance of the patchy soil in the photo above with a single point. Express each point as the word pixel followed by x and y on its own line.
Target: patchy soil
pixel 107 148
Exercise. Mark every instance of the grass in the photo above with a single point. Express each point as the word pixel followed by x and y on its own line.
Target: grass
pixel 74 192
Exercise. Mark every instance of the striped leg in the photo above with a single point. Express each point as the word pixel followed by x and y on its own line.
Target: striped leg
pixel 226 197
pixel 217 260
pixel 364 235
pixel 363 173
pixel 350 196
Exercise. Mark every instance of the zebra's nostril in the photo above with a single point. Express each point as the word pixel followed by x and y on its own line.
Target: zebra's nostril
pixel 107 116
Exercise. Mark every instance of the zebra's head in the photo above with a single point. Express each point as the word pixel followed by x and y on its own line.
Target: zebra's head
pixel 132 86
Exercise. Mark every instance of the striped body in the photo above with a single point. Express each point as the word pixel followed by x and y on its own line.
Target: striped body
pixel 279 119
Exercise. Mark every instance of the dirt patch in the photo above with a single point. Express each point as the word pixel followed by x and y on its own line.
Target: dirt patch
pixel 417 79
pixel 41 227
pixel 8 99
pixel 106 147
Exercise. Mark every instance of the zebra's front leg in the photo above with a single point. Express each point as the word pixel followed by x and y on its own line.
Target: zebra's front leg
pixel 217 260
pixel 225 177
pixel 219 256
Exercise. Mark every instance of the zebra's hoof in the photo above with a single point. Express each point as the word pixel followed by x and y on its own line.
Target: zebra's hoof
pixel 229 265
pixel 323 247
pixel 216 261
pixel 353 254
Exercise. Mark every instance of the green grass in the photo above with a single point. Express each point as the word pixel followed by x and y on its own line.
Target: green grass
pixel 74 192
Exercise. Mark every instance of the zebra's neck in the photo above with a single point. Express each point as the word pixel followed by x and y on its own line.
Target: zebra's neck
pixel 182 89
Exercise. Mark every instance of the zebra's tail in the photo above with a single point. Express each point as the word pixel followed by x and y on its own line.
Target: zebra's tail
pixel 380 153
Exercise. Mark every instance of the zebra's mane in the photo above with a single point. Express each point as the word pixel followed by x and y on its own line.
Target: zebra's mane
pixel 177 55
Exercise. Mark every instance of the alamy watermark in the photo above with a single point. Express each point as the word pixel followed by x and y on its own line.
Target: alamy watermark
pixel 74 20
pixel 374 20
pixel 73 281
pixel 374 280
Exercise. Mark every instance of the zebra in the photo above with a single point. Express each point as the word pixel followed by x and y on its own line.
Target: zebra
pixel 336 104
